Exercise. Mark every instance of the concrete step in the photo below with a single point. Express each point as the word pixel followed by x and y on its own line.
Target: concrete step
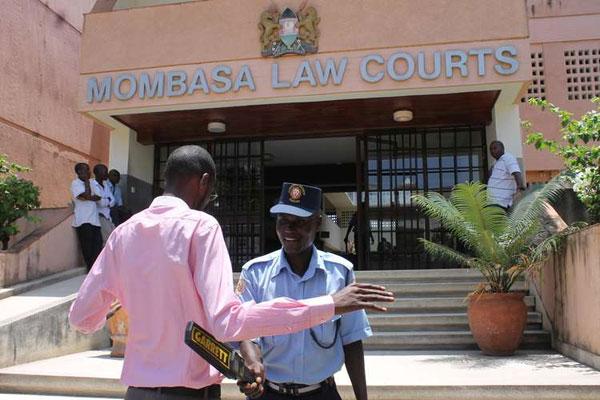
pixel 448 304
pixel 34 324
pixel 445 340
pixel 465 375
pixel 434 322
pixel 438 289
pixel 420 275
pixel 41 282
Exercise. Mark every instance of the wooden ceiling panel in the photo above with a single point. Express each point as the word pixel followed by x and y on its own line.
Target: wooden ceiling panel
pixel 314 118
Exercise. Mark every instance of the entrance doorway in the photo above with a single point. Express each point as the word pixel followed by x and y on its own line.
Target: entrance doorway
pixel 397 164
pixel 367 179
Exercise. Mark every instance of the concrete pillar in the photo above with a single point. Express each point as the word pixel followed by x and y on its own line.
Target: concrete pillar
pixel 506 127
pixel 135 162
pixel 118 157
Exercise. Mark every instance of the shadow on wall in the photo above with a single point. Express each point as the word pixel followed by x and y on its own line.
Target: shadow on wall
pixel 139 197
pixel 568 288
pixel 42 250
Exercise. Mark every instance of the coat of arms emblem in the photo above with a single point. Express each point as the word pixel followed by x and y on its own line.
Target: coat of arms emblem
pixel 289 32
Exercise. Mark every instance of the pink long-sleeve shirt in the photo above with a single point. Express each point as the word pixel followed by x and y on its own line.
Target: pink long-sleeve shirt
pixel 168 265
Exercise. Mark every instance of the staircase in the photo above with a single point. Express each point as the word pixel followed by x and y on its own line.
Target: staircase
pixel 430 311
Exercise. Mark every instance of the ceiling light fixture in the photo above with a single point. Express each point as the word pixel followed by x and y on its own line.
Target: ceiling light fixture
pixel 403 115
pixel 217 127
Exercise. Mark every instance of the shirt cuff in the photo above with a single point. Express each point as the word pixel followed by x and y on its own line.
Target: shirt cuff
pixel 321 309
pixel 357 335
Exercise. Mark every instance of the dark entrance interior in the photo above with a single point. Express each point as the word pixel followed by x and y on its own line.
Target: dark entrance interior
pixel 367 165
pixel 368 182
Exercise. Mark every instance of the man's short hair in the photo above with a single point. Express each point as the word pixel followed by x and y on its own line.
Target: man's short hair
pixel 97 168
pixel 498 143
pixel 79 166
pixel 113 172
pixel 188 161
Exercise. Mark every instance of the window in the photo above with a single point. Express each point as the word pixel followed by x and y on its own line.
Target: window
pixel 537 89
pixel 583 73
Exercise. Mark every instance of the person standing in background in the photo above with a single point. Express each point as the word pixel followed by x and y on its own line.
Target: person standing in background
pixel 505 178
pixel 86 220
pixel 101 187
pixel 118 213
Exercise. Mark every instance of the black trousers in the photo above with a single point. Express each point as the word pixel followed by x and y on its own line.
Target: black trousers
pixel 120 214
pixel 173 393
pixel 90 240
pixel 326 393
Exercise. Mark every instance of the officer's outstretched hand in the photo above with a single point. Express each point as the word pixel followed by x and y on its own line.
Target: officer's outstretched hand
pixel 253 389
pixel 358 296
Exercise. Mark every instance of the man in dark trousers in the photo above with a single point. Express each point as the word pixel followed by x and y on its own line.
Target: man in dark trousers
pixel 118 213
pixel 86 220
pixel 101 187
pixel 168 265
pixel 302 364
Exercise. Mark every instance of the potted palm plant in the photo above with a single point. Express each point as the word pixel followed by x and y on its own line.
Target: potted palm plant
pixel 502 247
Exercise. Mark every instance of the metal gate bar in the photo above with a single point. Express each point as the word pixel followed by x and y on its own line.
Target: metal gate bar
pixel 403 162
pixel 240 189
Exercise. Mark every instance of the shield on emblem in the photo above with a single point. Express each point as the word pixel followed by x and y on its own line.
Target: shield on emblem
pixel 288 27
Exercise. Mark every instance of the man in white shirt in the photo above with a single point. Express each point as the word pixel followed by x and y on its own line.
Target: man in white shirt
pixel 505 177
pixel 114 177
pixel 101 187
pixel 86 220
pixel 118 213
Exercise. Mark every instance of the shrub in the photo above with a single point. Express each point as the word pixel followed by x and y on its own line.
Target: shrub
pixel 17 197
pixel 580 151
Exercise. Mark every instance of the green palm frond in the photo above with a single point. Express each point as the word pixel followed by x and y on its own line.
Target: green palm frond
pixel 487 222
pixel 439 251
pixel 436 206
pixel 501 246
pixel 552 244
pixel 471 200
pixel 530 209
pixel 522 236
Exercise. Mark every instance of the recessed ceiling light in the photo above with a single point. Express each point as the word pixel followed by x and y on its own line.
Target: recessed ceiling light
pixel 216 127
pixel 403 115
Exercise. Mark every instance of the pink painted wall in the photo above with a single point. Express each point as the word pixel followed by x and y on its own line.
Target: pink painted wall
pixel 555 27
pixel 557 8
pixel 39 124
pixel 45 252
pixel 209 31
pixel 568 286
pixel 204 34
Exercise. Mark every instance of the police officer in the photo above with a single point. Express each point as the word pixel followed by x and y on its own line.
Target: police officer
pixel 303 364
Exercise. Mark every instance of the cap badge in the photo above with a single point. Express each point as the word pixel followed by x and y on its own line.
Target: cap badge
pixel 296 192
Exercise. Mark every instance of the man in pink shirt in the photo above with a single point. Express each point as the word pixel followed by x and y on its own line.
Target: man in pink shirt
pixel 168 265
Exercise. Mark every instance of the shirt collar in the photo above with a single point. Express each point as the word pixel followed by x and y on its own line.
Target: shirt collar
pixel 316 262
pixel 169 202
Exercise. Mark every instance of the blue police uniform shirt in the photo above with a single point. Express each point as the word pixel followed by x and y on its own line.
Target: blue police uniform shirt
pixel 296 358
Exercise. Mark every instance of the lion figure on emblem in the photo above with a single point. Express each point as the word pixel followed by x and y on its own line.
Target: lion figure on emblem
pixel 269 28
pixel 307 26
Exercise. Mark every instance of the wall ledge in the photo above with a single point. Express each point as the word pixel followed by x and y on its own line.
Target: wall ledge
pixel 576 353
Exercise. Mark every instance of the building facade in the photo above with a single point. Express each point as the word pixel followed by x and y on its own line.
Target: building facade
pixel 565 60
pixel 40 125
pixel 373 102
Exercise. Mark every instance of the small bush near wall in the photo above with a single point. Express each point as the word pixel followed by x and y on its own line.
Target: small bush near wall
pixel 580 151
pixel 17 197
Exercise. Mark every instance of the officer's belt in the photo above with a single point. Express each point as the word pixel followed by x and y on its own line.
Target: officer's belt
pixel 295 389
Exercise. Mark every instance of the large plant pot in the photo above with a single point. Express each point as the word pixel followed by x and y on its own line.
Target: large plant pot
pixel 497 321
pixel 118 326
